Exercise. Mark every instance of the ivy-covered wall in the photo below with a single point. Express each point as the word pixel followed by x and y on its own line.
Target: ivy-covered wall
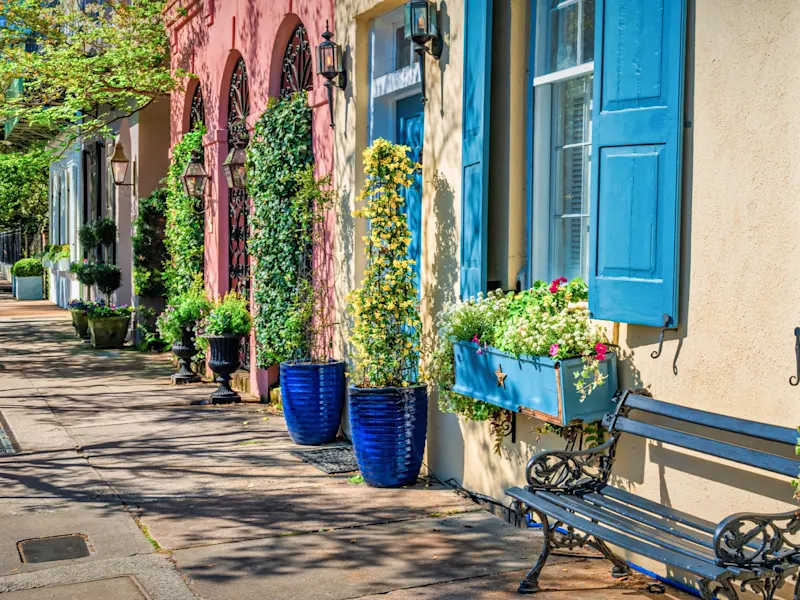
pixel 184 238
pixel 279 154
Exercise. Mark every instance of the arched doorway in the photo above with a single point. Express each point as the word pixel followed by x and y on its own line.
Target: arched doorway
pixel 298 70
pixel 239 228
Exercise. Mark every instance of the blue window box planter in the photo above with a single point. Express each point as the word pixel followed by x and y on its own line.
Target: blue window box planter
pixel 534 385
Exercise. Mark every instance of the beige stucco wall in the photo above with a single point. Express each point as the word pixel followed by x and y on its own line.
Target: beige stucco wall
pixel 740 256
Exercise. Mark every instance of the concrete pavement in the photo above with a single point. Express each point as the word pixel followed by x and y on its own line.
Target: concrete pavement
pixel 178 502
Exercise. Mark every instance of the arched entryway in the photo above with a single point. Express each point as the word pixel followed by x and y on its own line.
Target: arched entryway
pixel 239 227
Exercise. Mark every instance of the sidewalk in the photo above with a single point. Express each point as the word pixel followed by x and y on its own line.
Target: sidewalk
pixel 178 502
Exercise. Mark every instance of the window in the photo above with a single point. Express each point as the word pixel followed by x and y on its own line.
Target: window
pixel 564 52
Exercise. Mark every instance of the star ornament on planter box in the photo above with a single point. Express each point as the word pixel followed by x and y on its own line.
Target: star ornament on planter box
pixel 501 377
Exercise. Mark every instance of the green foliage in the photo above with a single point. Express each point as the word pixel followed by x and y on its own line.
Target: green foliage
pixel 24 181
pixel 88 237
pixel 107 277
pixel 106 230
pixel 149 250
pixel 27 267
pixel 289 204
pixel 97 310
pixel 230 316
pixel 55 252
pixel 184 311
pixel 184 235
pixel 385 308
pixel 91 65
pixel 84 272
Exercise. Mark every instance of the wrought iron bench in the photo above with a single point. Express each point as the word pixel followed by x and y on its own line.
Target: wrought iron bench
pixel 569 492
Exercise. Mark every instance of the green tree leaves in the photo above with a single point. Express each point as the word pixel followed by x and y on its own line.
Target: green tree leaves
pixel 23 191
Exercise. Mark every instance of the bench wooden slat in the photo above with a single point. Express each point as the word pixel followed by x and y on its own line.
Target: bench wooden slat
pixel 674 559
pixel 629 526
pixel 745 456
pixel 659 509
pixel 661 523
pixel 754 429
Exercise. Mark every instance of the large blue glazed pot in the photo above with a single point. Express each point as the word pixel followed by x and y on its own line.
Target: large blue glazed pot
pixel 313 400
pixel 389 428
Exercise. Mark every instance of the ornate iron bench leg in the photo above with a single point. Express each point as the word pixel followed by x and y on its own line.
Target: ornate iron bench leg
pixel 530 585
pixel 719 590
pixel 620 568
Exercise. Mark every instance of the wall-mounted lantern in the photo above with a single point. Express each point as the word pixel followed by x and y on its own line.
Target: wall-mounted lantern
pixel 119 165
pixel 235 166
pixel 421 27
pixel 194 176
pixel 330 66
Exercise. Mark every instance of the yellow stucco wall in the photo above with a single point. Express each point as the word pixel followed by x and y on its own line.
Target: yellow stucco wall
pixel 740 256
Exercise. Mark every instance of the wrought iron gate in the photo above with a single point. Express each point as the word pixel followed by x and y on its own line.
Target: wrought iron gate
pixel 297 72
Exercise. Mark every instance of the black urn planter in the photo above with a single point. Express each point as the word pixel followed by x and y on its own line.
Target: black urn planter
pixel 185 350
pixel 223 359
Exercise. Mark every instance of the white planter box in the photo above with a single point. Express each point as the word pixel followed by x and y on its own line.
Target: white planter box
pixel 29 288
pixel 63 265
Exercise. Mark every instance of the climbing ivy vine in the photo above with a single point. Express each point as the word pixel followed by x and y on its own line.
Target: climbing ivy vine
pixel 284 192
pixel 185 221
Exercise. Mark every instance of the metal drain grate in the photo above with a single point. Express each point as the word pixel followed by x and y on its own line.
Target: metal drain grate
pixel 339 459
pixel 64 547
pixel 7 445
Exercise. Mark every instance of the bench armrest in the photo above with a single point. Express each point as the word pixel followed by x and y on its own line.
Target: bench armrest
pixel 758 540
pixel 571 470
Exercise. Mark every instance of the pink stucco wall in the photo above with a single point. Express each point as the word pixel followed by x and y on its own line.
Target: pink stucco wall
pixel 207 38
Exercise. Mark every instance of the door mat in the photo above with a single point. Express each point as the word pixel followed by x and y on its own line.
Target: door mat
pixel 64 547
pixel 338 459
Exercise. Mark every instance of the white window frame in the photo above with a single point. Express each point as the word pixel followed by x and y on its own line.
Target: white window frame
pixel 388 85
pixel 542 194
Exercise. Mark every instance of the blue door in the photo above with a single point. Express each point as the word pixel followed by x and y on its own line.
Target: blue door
pixel 411 132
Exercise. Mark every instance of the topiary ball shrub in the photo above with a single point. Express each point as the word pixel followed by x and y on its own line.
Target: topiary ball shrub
pixel 87 235
pixel 84 272
pixel 27 267
pixel 108 278
pixel 106 231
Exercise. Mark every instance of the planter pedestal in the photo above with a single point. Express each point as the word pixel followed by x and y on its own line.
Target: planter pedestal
pixel 185 350
pixel 223 360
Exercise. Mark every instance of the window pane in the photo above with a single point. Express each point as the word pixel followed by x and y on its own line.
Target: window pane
pixel 587 28
pixel 564 27
pixel 571 237
pixel 402 49
pixel 571 182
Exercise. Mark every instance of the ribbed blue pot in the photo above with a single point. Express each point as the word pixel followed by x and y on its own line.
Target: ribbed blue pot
pixel 389 428
pixel 313 400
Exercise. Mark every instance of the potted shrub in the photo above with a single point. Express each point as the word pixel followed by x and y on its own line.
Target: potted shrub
pixel 228 321
pixel 87 235
pixel 28 273
pixel 84 273
pixel 108 324
pixel 292 281
pixel 535 352
pixel 177 326
pixel 106 231
pixel 61 259
pixel 77 309
pixel 388 404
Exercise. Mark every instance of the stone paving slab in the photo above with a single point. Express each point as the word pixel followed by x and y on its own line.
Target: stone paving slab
pixel 110 529
pixel 154 573
pixel 213 520
pixel 350 563
pixel 116 588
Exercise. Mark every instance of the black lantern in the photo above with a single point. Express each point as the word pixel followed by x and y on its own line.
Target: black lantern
pixel 330 66
pixel 235 165
pixel 421 27
pixel 194 176
pixel 119 165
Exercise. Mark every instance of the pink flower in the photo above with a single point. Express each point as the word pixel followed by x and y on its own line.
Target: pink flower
pixel 480 351
pixel 476 339
pixel 553 349
pixel 556 284
pixel 601 351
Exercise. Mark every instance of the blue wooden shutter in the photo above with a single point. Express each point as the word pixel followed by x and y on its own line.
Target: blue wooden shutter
pixel 475 146
pixel 637 128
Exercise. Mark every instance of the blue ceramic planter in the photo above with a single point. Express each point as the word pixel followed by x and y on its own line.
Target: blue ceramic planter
pixel 389 428
pixel 313 400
